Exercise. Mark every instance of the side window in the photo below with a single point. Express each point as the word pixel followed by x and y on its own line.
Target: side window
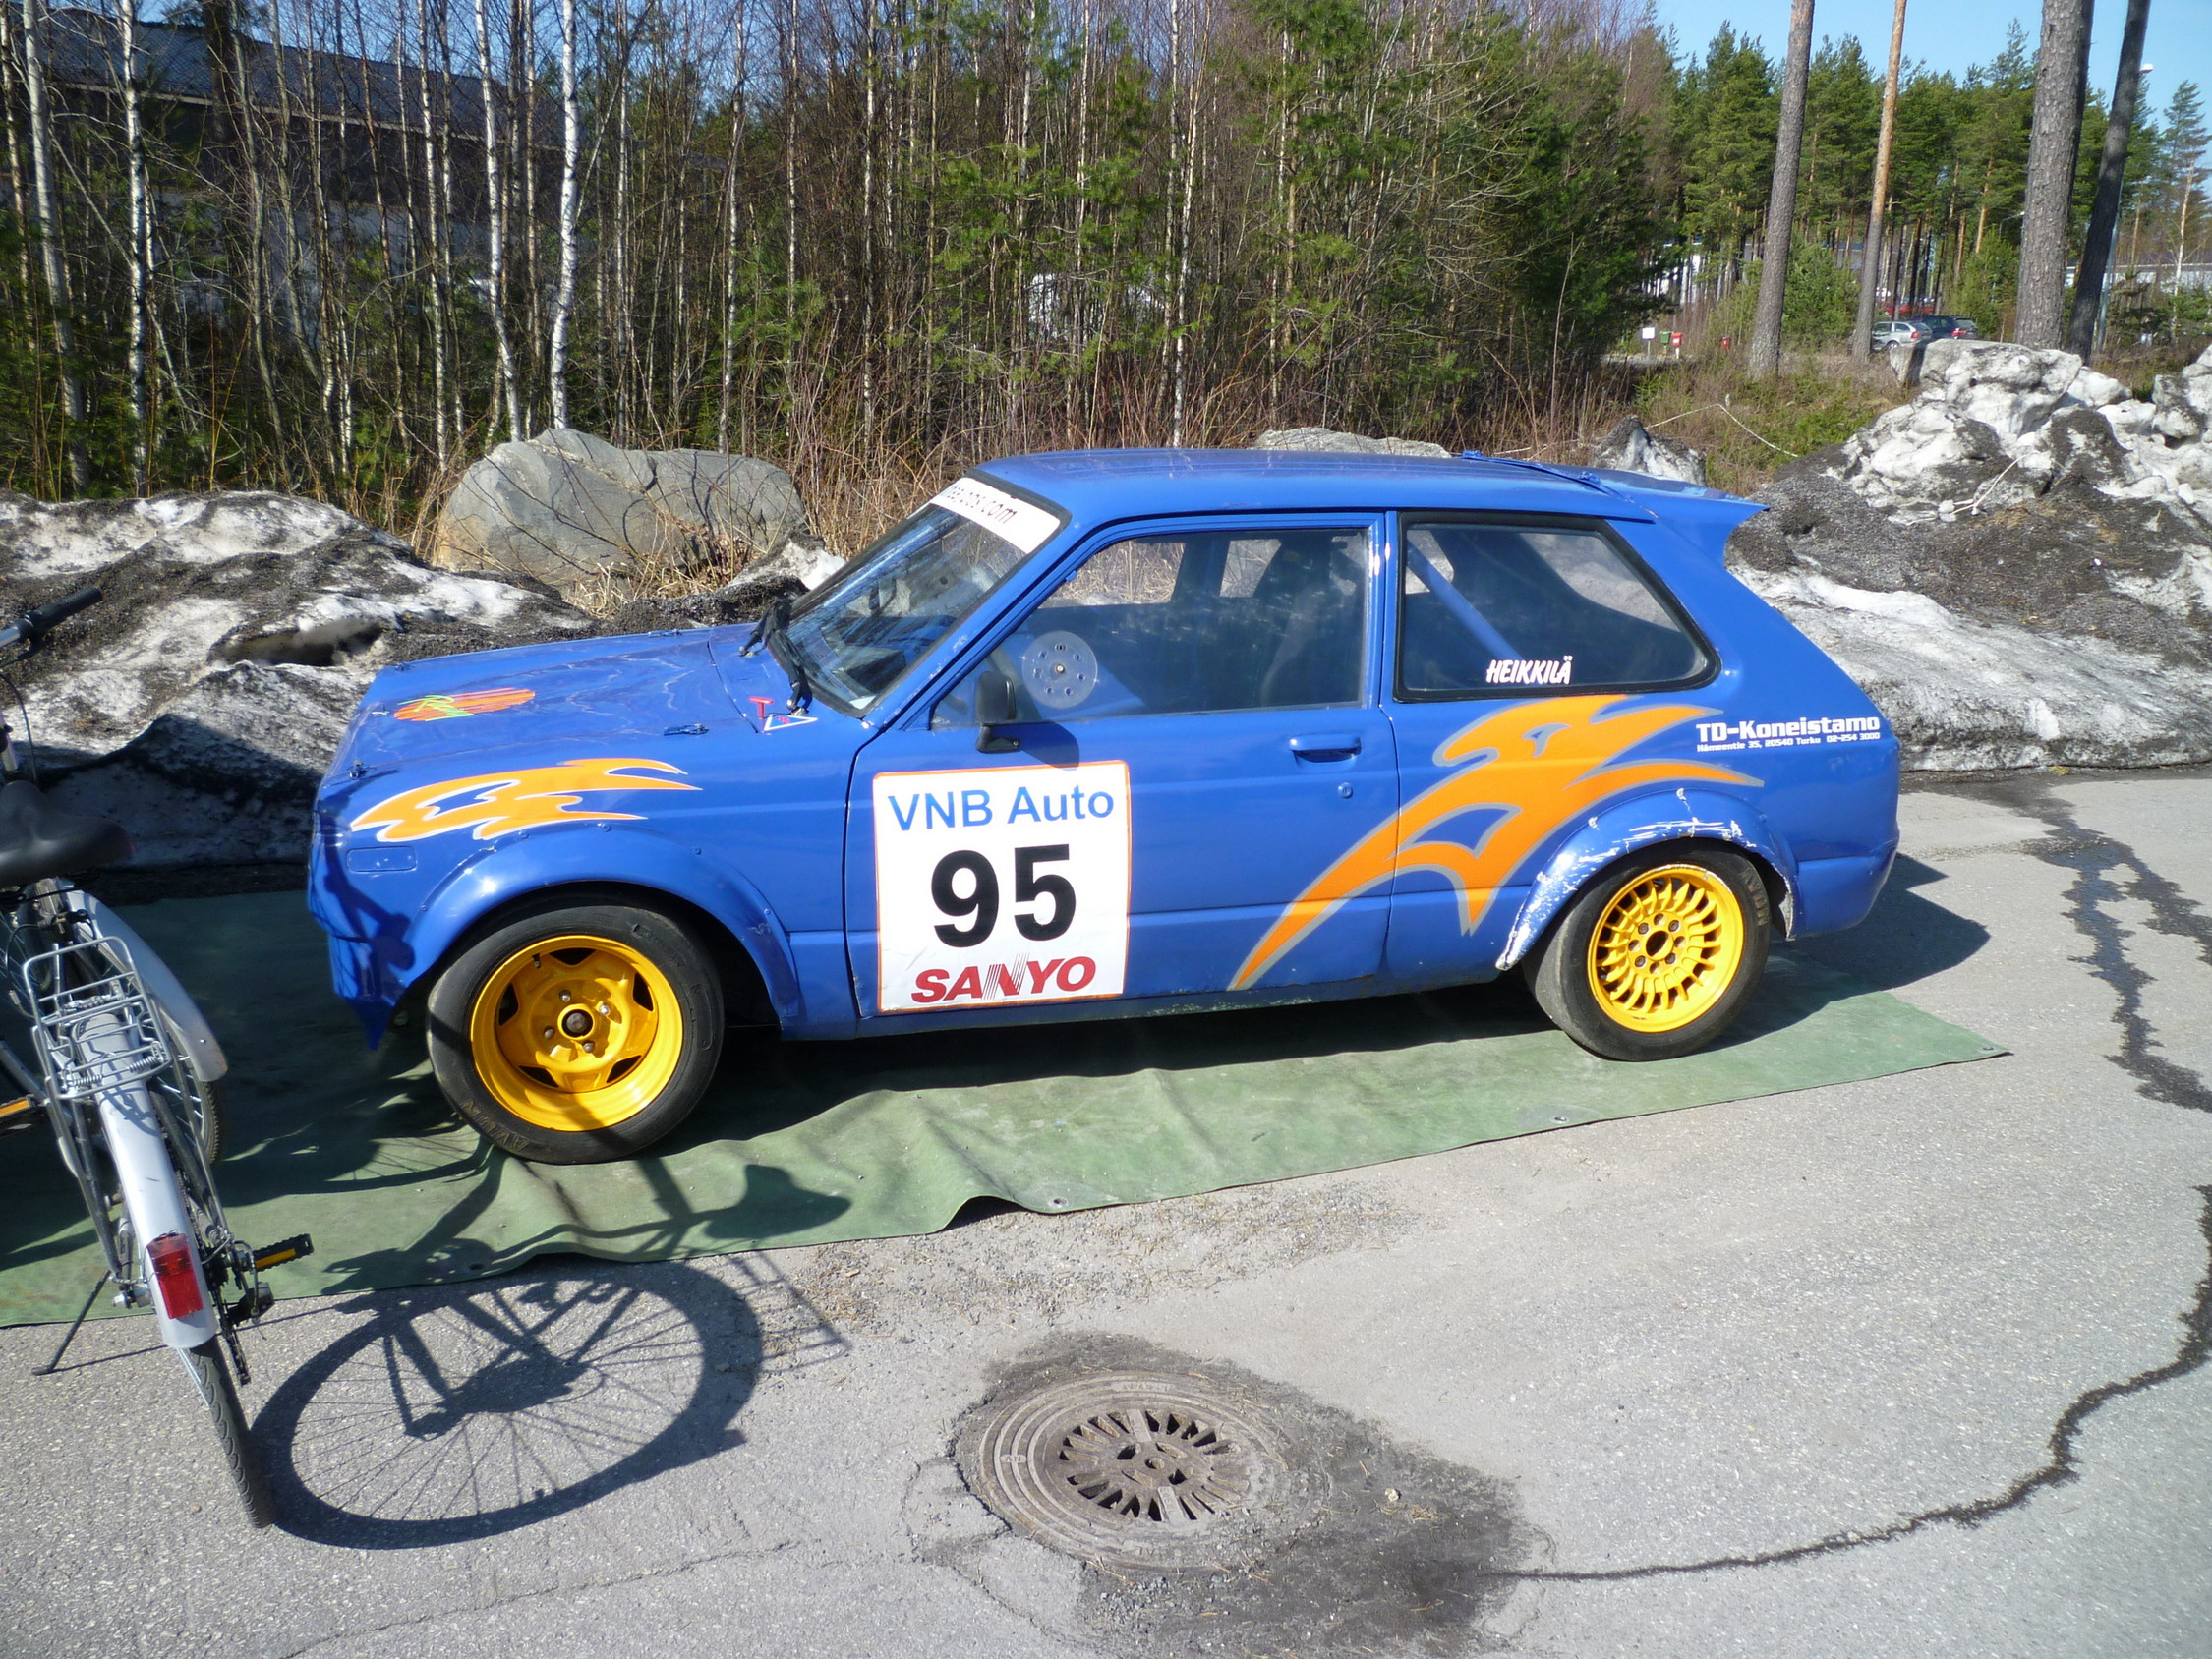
pixel 1503 608
pixel 1194 622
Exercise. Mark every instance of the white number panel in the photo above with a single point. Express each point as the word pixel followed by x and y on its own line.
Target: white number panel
pixel 1001 885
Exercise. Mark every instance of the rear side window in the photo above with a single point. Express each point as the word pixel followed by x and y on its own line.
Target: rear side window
pixel 1489 608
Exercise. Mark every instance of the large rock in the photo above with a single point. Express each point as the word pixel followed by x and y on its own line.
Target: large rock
pixel 1633 448
pixel 596 523
pixel 201 703
pixel 1322 438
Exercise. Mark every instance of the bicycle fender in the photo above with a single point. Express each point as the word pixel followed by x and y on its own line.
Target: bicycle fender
pixel 1621 828
pixel 202 1053
pixel 516 866
pixel 154 1204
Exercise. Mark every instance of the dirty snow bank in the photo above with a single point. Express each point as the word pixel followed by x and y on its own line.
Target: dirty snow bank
pixel 202 700
pixel 2017 565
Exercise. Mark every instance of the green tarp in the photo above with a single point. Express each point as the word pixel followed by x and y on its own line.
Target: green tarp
pixel 806 1143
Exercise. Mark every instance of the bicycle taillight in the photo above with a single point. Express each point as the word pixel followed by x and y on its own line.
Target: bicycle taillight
pixel 176 1275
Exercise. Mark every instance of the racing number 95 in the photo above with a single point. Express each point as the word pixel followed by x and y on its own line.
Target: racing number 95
pixel 979 902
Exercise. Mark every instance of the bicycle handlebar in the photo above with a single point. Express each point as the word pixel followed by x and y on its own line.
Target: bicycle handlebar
pixel 34 625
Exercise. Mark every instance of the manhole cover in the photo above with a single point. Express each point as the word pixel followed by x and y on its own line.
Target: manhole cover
pixel 1125 1468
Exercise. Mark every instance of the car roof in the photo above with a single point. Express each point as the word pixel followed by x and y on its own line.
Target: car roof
pixel 1100 486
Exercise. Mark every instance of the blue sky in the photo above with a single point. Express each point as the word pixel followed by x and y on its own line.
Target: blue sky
pixel 1952 34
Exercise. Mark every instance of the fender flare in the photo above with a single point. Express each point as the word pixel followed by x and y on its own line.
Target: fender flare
pixel 1625 826
pixel 516 866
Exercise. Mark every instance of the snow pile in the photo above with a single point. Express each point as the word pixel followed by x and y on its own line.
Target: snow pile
pixel 202 700
pixel 1995 425
pixel 1350 443
pixel 2016 566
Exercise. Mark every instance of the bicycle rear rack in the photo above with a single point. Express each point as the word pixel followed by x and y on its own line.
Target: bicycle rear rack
pixel 100 1033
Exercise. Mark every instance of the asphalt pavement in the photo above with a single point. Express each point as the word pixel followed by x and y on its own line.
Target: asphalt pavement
pixel 1904 1367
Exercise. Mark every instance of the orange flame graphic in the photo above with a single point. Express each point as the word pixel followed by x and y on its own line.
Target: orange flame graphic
pixel 501 802
pixel 1523 758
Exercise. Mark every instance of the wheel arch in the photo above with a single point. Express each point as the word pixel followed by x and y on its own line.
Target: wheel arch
pixel 749 943
pixel 1614 833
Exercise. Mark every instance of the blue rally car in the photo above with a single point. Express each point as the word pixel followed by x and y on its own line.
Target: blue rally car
pixel 1104 733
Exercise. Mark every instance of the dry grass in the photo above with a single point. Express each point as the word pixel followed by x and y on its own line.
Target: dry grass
pixel 1745 429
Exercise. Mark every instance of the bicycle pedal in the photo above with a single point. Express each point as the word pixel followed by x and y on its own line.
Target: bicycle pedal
pixel 290 1250
pixel 18 1114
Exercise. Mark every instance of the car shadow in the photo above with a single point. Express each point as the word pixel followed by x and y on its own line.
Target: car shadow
pixel 448 1414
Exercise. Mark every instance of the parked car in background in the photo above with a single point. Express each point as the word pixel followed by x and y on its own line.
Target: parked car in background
pixel 1952 328
pixel 1900 331
pixel 1104 733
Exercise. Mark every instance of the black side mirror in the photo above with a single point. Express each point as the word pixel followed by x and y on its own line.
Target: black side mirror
pixel 994 708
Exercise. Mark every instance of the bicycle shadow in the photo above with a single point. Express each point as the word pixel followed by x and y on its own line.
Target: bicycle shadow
pixel 452 1414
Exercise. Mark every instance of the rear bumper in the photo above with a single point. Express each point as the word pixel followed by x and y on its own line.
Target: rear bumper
pixel 1836 893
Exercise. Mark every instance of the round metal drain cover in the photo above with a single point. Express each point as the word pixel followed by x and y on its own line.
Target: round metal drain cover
pixel 1127 1468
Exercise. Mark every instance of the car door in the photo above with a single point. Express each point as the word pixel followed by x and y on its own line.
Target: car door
pixel 1522 651
pixel 1195 735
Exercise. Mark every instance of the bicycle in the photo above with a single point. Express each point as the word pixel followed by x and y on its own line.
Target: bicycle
pixel 127 1072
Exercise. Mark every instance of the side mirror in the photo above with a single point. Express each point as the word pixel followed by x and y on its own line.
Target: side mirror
pixel 994 708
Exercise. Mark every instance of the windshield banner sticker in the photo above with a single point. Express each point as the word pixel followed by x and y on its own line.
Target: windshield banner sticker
pixel 1001 885
pixel 503 802
pixel 1720 737
pixel 443 705
pixel 1008 517
pixel 1508 670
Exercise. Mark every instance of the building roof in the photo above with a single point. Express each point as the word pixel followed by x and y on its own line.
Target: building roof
pixel 175 63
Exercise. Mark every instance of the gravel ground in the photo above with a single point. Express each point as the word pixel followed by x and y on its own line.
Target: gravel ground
pixel 1901 1367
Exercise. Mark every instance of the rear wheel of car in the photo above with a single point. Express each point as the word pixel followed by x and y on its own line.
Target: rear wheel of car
pixel 1657 957
pixel 574 1032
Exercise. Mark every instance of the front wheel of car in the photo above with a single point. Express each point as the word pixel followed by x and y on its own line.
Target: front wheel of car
pixel 576 1031
pixel 1658 956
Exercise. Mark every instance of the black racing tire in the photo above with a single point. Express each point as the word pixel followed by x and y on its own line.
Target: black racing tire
pixel 210 1378
pixel 1597 990
pixel 665 1017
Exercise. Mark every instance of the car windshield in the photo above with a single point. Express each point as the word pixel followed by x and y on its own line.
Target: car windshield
pixel 857 633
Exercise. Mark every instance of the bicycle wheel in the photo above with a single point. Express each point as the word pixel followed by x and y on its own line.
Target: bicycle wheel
pixel 210 1375
pixel 200 1104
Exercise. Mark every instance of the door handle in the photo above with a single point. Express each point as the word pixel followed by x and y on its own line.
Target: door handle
pixel 1326 746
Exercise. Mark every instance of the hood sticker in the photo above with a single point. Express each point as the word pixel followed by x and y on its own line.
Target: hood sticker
pixel 779 719
pixel 502 802
pixel 1580 741
pixel 443 705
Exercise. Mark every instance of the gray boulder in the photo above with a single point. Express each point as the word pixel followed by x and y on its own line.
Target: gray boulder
pixel 202 700
pixel 1633 448
pixel 596 522
pixel 1321 437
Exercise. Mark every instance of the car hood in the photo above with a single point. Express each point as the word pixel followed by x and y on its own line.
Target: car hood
pixel 598 691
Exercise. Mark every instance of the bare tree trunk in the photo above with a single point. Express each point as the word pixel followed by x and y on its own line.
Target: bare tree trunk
pixel 564 296
pixel 2112 173
pixel 2047 217
pixel 1765 356
pixel 16 192
pixel 729 231
pixel 495 211
pixel 134 145
pixel 1869 260
pixel 49 246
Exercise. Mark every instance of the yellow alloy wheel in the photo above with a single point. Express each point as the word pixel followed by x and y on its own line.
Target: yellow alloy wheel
pixel 1667 948
pixel 576 1032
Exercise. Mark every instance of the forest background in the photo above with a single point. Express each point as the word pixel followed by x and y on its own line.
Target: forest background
pixel 344 247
